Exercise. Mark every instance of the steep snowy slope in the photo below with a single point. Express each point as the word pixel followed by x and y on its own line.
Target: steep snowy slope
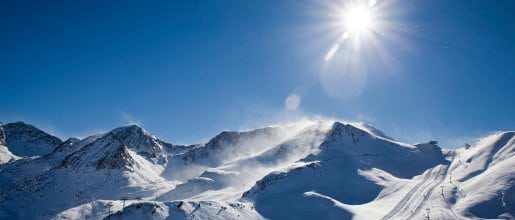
pixel 5 154
pixel 336 172
pixel 26 168
pixel 306 170
pixel 484 177
pixel 116 164
pixel 25 140
pixel 294 176
pixel 224 148
pixel 232 179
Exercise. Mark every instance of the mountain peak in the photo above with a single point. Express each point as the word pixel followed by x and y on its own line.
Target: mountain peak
pixel 129 130
pixel 17 123
pixel 231 137
pixel 224 146
pixel 106 152
pixel 371 129
pixel 137 139
pixel 340 129
pixel 346 163
pixel 20 126
pixel 23 139
pixel 117 149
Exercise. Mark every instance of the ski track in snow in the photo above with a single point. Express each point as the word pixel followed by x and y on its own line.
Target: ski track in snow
pixel 403 202
pixel 136 164
pixel 414 200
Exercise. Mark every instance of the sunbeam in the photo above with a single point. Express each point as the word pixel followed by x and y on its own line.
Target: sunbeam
pixel 356 19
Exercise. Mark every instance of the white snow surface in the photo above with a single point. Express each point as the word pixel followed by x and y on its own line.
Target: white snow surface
pixel 307 170
pixel 6 155
pixel 24 140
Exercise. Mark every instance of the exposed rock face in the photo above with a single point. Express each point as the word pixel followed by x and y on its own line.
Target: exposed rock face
pixel 309 170
pixel 26 140
pixel 116 150
pixel 2 136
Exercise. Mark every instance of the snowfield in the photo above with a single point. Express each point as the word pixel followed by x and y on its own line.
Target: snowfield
pixel 306 170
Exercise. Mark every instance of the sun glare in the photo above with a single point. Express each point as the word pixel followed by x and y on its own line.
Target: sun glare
pixel 358 20
pixel 359 31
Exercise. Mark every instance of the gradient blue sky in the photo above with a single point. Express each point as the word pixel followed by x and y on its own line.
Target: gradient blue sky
pixel 185 70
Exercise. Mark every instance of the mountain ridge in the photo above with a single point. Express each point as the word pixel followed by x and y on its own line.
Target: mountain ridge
pixel 25 140
pixel 334 169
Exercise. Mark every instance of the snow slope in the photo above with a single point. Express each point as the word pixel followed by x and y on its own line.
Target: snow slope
pixel 484 177
pixel 110 166
pixel 334 172
pixel 5 154
pixel 26 140
pixel 306 170
pixel 18 140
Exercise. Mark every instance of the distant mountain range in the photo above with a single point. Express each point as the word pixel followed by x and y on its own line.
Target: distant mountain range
pixel 305 170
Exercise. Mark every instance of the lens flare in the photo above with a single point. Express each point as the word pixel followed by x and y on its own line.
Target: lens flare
pixel 292 102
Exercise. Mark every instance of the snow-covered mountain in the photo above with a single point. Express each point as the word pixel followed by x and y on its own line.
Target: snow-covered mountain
pixel 5 154
pixel 19 140
pixel 305 170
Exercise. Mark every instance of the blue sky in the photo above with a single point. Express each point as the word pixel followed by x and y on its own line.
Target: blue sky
pixel 185 70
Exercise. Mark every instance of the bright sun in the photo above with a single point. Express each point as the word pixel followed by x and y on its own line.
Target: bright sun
pixel 358 20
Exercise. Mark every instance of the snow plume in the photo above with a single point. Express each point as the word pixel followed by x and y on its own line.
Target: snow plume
pixel 231 147
pixel 234 161
pixel 299 133
pixel 129 119
pixel 332 168
pixel 304 139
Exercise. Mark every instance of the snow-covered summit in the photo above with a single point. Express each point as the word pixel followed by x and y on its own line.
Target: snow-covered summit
pixel 228 144
pixel 26 140
pixel 117 149
pixel 137 139
pixel 371 129
pixel 310 169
